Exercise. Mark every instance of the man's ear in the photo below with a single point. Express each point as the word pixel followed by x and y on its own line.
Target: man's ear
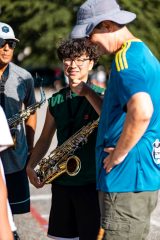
pixel 109 26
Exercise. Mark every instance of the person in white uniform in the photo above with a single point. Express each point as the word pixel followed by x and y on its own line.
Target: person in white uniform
pixel 8 228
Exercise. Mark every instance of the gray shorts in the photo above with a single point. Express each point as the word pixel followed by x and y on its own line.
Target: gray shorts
pixel 126 216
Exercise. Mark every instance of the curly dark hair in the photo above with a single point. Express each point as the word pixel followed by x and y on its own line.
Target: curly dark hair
pixel 73 48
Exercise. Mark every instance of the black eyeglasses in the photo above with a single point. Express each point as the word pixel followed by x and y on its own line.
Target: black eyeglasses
pixel 77 61
pixel 11 43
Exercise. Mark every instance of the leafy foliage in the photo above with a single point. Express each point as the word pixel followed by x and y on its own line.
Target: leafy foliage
pixel 40 25
pixel 147 24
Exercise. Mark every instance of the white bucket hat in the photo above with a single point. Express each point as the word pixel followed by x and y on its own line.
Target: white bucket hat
pixel 6 32
pixel 92 12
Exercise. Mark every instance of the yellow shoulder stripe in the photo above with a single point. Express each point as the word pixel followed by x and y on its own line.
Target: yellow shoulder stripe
pixel 120 59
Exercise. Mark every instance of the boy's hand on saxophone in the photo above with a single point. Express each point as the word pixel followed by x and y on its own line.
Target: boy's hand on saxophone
pixel 33 177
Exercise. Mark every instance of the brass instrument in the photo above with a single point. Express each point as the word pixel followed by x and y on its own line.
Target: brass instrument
pixel 61 159
pixel 24 114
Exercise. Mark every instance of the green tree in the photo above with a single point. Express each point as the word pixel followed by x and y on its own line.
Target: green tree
pixel 40 25
pixel 147 24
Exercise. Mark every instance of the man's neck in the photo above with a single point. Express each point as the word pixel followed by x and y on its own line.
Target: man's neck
pixel 123 35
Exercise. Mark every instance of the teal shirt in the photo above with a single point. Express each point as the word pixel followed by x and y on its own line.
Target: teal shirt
pixel 71 112
pixel 134 70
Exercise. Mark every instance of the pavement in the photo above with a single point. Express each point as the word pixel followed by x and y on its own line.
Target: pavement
pixel 33 225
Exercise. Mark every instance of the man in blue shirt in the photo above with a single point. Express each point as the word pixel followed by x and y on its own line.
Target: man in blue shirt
pixel 127 150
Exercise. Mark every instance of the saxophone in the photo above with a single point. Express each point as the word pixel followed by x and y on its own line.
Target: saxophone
pixel 62 158
pixel 24 114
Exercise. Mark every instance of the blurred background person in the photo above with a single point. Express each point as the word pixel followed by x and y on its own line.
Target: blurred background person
pixel 98 77
pixel 59 79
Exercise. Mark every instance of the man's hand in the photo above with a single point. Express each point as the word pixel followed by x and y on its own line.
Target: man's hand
pixel 33 177
pixel 110 161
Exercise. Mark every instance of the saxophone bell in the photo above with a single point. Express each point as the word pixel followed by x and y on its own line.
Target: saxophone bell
pixel 73 165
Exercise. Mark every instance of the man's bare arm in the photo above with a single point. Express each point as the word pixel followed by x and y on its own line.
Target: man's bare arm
pixel 139 113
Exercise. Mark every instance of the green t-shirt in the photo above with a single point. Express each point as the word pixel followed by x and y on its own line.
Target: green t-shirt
pixel 71 112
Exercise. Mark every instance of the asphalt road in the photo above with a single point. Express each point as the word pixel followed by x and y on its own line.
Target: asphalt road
pixel 33 226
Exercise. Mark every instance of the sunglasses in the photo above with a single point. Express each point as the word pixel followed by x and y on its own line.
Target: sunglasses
pixel 11 43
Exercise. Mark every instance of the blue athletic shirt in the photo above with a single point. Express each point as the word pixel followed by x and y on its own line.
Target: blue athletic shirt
pixel 135 69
